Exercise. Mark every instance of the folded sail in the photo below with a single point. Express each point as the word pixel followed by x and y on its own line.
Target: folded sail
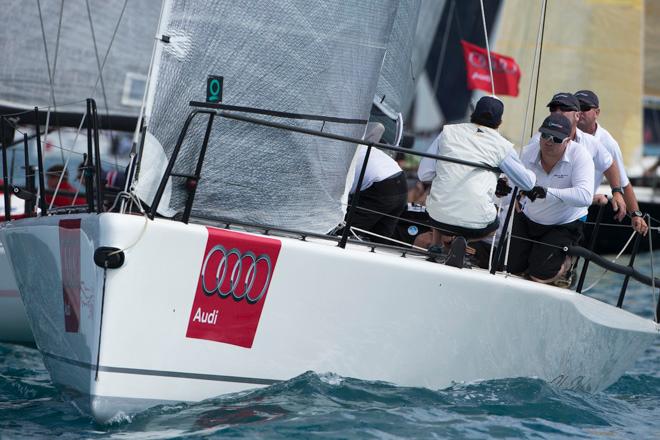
pixel 319 58
pixel 122 38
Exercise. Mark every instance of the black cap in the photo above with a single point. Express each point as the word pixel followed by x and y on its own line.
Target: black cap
pixel 556 125
pixel 587 98
pixel 566 100
pixel 488 111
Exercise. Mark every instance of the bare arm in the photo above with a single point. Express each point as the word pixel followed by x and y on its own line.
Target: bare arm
pixel 618 203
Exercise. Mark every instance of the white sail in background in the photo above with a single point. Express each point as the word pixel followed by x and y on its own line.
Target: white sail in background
pixel 592 45
pixel 120 32
pixel 652 52
pixel 320 58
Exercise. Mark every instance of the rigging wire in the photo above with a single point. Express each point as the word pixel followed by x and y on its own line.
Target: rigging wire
pixel 51 75
pixel 443 48
pixel 66 164
pixel 134 165
pixel 98 63
pixel 490 62
pixel 538 51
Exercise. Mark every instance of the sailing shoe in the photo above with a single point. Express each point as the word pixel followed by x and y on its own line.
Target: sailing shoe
pixel 456 257
pixel 569 278
pixel 435 252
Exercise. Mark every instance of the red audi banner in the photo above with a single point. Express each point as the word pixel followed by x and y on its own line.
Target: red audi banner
pixel 233 284
pixel 506 72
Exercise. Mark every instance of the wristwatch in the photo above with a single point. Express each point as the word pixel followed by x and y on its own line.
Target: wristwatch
pixel 617 189
pixel 637 213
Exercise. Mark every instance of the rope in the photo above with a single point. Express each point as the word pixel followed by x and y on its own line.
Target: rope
pixel 605 271
pixel 655 301
pixel 492 243
pixel 384 238
pixel 134 198
pixel 490 62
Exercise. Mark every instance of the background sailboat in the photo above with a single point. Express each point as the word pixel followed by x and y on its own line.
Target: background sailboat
pixel 74 50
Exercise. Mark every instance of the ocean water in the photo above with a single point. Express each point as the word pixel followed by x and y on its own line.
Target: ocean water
pixel 324 405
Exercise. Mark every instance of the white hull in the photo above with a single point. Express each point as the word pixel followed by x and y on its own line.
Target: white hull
pixel 362 314
pixel 14 325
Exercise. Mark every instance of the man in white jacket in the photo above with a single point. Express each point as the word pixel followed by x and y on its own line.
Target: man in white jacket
pixel 461 199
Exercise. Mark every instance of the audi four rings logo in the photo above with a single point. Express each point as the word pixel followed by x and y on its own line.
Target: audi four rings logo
pixel 243 270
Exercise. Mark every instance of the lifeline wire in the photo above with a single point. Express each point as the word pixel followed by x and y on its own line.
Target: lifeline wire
pixel 385 238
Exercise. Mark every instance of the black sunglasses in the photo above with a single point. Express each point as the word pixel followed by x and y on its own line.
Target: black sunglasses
pixel 585 108
pixel 555 139
pixel 563 108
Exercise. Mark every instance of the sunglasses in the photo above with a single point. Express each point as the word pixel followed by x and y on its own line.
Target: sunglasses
pixel 562 108
pixel 585 108
pixel 555 139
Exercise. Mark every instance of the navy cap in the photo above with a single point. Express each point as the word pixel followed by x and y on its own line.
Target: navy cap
pixel 556 125
pixel 587 98
pixel 565 99
pixel 489 110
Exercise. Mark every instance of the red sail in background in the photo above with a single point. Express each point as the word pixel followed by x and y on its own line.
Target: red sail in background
pixel 506 72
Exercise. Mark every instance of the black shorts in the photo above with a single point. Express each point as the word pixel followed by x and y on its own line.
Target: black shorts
pixel 467 233
pixel 414 222
pixel 384 202
pixel 541 260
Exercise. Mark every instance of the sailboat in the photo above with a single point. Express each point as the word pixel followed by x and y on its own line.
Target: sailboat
pixel 55 68
pixel 217 275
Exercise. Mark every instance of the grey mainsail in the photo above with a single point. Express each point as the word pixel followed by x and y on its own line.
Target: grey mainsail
pixel 120 32
pixel 300 56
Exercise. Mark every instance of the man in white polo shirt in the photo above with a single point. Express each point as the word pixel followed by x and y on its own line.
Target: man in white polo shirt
pixel 589 113
pixel 461 201
pixel 568 105
pixel 552 214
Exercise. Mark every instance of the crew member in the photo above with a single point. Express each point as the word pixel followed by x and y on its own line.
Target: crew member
pixel 589 113
pixel 568 105
pixel 461 199
pixel 383 193
pixel 553 213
